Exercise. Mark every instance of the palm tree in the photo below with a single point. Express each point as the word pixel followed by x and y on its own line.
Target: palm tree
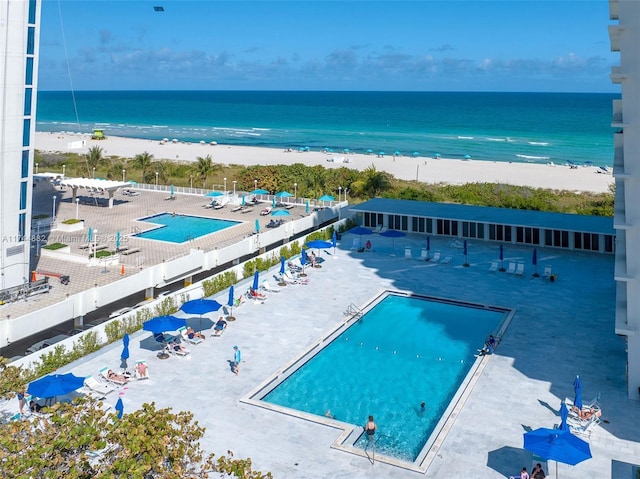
pixel 204 168
pixel 94 157
pixel 376 181
pixel 143 161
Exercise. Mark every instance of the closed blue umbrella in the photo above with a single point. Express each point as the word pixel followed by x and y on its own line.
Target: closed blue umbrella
pixel 502 258
pixel 125 351
pixel 257 225
pixel 160 324
pixel 55 385
pixel 282 267
pixel 273 202
pixel 557 445
pixel 577 388
pixel 119 407
pixel 306 207
pixel 171 190
pixel 89 234
pixel 256 280
pixel 564 414
pixel 117 240
pixel 243 203
pixel 428 244
pixel 230 302
pixel 534 261
pixel 466 252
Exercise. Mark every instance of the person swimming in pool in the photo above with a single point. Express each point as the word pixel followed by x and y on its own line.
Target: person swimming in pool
pixel 370 428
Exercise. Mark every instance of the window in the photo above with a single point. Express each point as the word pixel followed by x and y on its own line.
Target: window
pixel 417 224
pixel 29 72
pixel 22 224
pixel 608 243
pixel 28 93
pixel 31 40
pixel 26 132
pixel 500 233
pixel 23 195
pixel 447 227
pixel 25 163
pixel 32 11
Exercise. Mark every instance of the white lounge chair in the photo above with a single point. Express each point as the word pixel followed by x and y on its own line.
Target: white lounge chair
pixel 97 389
pixel 512 268
pixel 407 252
pixel 104 374
pixel 435 258
pixel 378 228
pixel 185 336
pixel 423 255
pixel 494 266
pixel 267 287
pixel 445 260
pixel 171 349
pixel 356 245
pixel 519 269
pixel 137 372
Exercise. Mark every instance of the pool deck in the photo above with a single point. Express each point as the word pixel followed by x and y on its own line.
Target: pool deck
pixel 560 329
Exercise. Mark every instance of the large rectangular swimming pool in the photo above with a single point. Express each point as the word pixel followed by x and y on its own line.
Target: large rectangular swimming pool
pixel 404 351
pixel 182 228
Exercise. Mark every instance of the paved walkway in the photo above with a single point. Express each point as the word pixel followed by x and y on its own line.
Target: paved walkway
pixel 560 329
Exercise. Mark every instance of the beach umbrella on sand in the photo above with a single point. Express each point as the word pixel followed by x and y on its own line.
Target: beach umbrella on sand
pixel 230 302
pixel 381 153
pixel 415 154
pixel 119 407
pixel 466 252
pixel 534 261
pixel 557 445
pixel 55 385
pixel 577 389
pixel 437 155
pixel 502 258
pixel 397 153
pixel 467 157
pixel 346 150
pixel 125 351
pixel 257 225
pixel 393 234
pixel 369 151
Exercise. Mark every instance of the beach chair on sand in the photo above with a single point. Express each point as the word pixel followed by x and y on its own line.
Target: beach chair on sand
pixel 512 267
pixel 519 269
pixel 407 252
pixel 494 266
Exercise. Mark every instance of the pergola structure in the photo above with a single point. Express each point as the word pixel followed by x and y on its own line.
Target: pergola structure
pixel 94 186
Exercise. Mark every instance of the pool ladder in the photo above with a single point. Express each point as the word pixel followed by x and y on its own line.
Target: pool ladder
pixel 353 311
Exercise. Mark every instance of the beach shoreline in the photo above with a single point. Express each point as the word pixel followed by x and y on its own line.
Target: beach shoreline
pixel 421 169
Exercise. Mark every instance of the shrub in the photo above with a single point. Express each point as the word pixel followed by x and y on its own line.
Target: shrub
pixel 54 246
pixel 103 254
pixel 71 221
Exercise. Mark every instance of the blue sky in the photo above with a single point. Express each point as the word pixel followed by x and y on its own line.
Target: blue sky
pixel 450 45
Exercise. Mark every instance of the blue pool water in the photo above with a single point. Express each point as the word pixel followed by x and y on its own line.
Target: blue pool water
pixel 181 228
pixel 402 352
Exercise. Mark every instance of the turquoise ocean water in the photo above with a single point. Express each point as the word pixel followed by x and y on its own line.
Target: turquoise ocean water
pixel 518 127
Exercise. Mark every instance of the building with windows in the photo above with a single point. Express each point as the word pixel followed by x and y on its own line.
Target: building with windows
pixel 19 40
pixel 625 37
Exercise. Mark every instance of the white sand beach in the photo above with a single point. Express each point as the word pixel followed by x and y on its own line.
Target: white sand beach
pixel 427 170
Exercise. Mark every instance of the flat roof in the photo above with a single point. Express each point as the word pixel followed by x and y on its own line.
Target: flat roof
pixel 488 214
pixel 95 183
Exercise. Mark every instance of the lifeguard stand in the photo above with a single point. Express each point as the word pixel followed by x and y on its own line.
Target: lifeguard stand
pixel 98 134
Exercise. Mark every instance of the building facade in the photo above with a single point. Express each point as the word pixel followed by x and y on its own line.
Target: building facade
pixel 19 44
pixel 624 34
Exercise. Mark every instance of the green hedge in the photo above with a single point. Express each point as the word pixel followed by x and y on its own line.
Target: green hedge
pixel 54 246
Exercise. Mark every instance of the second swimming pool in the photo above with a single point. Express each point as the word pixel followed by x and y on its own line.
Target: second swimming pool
pixel 404 351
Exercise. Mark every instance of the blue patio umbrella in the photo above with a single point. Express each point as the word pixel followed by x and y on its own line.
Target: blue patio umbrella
pixel 200 306
pixel 256 280
pixel 306 207
pixel 89 234
pixel 118 240
pixel 215 193
pixel 125 351
pixel 577 388
pixel 284 194
pixel 393 234
pixel 360 231
pixel 319 244
pixel 564 414
pixel 55 385
pixel 465 252
pixel 326 198
pixel 557 445
pixel 230 302
pixel 257 225
pixel 259 192
pixel 502 258
pixel 280 213
pixel 534 262
pixel 119 407
pixel 160 324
